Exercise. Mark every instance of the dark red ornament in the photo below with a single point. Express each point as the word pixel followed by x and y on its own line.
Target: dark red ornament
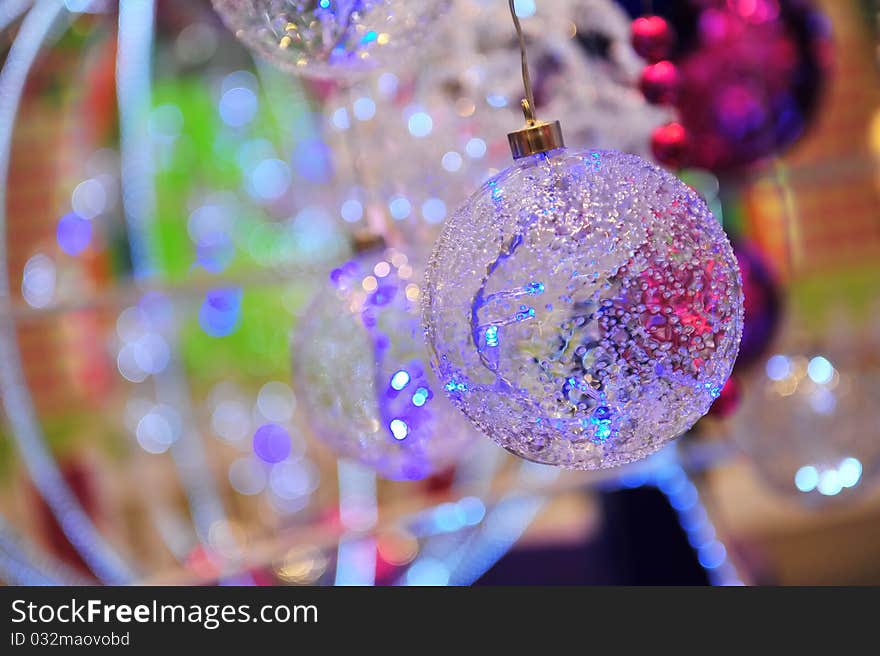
pixel 652 38
pixel 728 400
pixel 659 83
pixel 669 144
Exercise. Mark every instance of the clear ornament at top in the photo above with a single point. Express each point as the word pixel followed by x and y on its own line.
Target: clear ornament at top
pixel 584 308
pixel 340 39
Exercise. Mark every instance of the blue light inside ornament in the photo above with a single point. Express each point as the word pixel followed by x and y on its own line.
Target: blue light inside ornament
pixel 369 37
pixel 456 386
pixel 525 312
pixel 400 380
pixel 601 420
pixel 535 288
pixel 73 234
pixel 399 429
pixel 420 397
pixel 492 336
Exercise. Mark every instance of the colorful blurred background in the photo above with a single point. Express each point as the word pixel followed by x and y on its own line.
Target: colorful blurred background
pixel 172 205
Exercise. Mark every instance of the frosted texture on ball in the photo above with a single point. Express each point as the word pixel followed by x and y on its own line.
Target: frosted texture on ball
pixel 361 367
pixel 583 308
pixel 331 38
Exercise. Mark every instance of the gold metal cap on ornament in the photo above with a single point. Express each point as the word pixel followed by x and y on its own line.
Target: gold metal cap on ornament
pixel 536 137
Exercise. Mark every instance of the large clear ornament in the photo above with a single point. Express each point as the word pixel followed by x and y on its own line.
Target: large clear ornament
pixel 583 308
pixel 361 367
pixel 332 38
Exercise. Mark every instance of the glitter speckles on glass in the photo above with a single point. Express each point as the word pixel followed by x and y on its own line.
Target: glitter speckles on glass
pixel 583 308
pixel 362 368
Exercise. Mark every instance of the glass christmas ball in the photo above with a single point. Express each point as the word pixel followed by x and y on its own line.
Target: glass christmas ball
pixel 332 38
pixel 361 366
pixel 751 79
pixel 583 308
pixel 808 423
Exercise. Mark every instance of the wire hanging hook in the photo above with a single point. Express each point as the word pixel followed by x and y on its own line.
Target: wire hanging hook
pixel 537 136
pixel 528 103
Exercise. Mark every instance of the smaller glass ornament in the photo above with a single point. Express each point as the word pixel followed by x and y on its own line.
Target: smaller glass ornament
pixel 332 38
pixel 583 308
pixel 808 424
pixel 361 367
pixel 652 37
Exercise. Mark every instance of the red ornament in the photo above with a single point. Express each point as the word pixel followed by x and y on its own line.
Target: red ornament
pixel 727 401
pixel 652 38
pixel 669 143
pixel 659 83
